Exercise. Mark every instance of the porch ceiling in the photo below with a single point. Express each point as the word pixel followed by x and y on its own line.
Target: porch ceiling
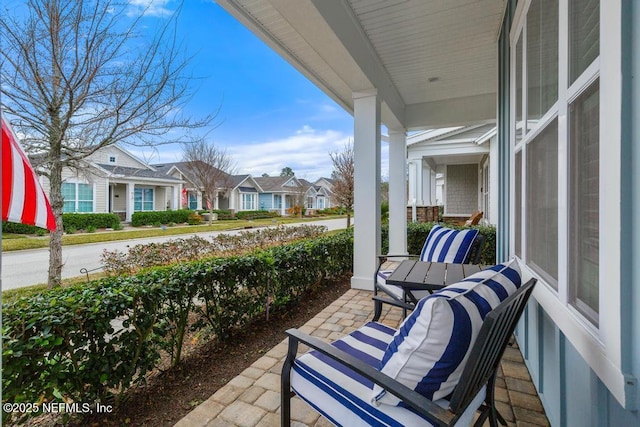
pixel 433 62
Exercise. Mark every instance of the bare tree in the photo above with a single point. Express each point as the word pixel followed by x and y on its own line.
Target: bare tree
pixel 78 76
pixel 210 167
pixel 343 169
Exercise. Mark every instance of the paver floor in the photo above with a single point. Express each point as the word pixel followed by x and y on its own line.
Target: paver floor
pixel 253 398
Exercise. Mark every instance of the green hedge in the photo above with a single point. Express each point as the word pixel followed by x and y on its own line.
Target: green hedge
pixel 256 214
pixel 70 221
pixel 17 228
pixel 82 221
pixel 82 343
pixel 160 217
pixel 417 234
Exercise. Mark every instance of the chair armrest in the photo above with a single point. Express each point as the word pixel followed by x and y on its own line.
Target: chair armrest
pixel 398 256
pixel 418 402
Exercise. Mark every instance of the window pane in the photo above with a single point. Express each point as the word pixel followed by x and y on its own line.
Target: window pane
pixel 69 206
pixel 584 35
pixel 137 199
pixel 542 58
pixel 85 206
pixel 542 203
pixel 85 192
pixel 518 202
pixel 69 191
pixel 584 220
pixel 518 85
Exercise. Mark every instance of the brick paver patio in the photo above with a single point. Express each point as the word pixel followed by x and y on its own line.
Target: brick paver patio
pixel 253 397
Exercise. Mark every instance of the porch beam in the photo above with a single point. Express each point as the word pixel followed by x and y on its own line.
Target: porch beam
pixel 397 192
pixel 340 17
pixel 452 112
pixel 366 147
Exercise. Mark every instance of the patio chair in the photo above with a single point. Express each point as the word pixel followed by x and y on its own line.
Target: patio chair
pixel 442 245
pixel 474 219
pixel 439 368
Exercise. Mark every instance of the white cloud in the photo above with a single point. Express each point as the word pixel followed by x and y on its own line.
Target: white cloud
pixel 149 7
pixel 306 152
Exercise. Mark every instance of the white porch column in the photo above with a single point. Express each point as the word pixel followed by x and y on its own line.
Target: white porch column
pixel 175 197
pixel 432 190
pixel 366 147
pixel 420 182
pixel 397 192
pixel 283 207
pixel 129 202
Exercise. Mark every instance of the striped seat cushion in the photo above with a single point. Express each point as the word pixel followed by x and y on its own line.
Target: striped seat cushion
pixel 447 245
pixel 429 350
pixel 344 397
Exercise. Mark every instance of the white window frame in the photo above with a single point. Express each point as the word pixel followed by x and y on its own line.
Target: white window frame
pixel 153 199
pixel 115 159
pixel 253 202
pixel 601 346
pixel 77 182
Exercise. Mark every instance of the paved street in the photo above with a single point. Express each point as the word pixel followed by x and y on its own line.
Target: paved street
pixel 30 267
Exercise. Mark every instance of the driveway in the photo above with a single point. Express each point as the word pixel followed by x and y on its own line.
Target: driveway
pixel 30 267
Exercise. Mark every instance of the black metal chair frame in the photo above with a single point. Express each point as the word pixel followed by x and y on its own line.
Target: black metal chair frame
pixel 480 369
pixel 404 303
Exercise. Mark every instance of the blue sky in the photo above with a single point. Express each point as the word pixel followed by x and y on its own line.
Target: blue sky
pixel 271 115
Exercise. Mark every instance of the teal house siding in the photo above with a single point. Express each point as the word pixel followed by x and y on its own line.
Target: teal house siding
pixel 265 201
pixel 571 391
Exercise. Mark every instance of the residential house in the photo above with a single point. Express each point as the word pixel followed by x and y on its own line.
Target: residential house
pixel 316 197
pixel 279 193
pixel 451 167
pixel 559 77
pixel 192 193
pixel 242 194
pixel 114 180
pixel 327 185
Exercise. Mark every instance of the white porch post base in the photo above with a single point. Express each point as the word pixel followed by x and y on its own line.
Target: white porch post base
pixel 366 147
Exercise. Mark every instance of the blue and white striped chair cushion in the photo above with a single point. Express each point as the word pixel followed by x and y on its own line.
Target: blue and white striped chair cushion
pixel 344 397
pixel 447 245
pixel 442 245
pixel 429 350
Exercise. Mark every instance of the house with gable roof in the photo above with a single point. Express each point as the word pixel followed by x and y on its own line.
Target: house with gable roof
pixel 279 193
pixel 114 180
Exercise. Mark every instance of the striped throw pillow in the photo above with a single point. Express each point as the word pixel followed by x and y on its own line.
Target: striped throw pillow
pixel 431 346
pixel 447 245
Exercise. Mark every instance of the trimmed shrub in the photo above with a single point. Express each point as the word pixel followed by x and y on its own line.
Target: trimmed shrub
pixel 81 221
pixel 17 228
pixel 84 342
pixel 194 219
pixel 181 216
pixel 256 214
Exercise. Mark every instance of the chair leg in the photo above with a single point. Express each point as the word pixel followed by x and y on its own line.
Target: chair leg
pixel 377 310
pixel 285 383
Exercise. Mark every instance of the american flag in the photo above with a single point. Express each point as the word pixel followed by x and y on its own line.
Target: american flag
pixel 23 199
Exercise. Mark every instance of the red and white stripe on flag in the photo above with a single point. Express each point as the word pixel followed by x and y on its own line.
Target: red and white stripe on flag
pixel 23 199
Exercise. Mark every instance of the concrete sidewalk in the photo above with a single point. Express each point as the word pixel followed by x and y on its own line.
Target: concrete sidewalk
pixel 253 397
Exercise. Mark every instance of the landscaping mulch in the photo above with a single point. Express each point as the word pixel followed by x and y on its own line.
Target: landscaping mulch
pixel 168 396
